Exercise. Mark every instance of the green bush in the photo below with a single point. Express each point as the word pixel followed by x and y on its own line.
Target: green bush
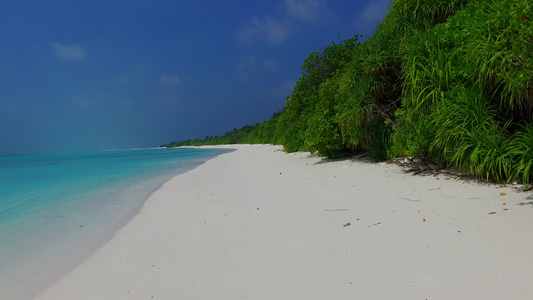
pixel 468 135
pixel 447 80
pixel 496 39
pixel 520 154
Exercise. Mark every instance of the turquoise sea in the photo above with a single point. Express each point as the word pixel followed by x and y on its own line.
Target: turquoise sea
pixel 55 209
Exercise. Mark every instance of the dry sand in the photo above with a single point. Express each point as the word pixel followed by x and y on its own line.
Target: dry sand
pixel 261 224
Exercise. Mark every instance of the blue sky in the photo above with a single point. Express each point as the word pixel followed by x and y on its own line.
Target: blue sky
pixel 106 74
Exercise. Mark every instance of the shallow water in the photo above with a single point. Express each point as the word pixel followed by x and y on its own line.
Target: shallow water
pixel 59 207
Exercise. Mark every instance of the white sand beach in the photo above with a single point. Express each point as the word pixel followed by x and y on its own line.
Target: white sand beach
pixel 258 223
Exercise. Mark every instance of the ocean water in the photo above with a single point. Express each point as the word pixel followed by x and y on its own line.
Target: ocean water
pixel 55 209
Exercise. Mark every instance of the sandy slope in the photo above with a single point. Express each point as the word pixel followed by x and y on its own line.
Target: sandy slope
pixel 261 224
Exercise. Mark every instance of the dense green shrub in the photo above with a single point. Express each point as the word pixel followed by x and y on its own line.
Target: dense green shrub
pixel 496 39
pixel 322 134
pixel 445 80
pixel 309 110
pixel 520 155
pixel 407 15
pixel 468 135
pixel 431 68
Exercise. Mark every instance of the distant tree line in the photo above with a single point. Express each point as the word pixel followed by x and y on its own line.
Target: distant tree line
pixel 234 136
pixel 446 80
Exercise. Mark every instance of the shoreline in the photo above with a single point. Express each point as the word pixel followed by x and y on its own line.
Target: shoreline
pixel 260 223
pixel 67 245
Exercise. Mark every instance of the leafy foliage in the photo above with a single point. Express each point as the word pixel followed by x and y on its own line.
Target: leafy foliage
pixel 496 39
pixel 520 154
pixel 309 109
pixel 445 80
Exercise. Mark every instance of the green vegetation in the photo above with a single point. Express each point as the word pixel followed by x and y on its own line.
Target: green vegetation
pixel 444 80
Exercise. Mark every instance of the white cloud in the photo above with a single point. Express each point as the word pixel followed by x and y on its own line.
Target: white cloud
pixel 271 64
pixel 278 92
pixel 168 98
pixel 169 81
pixel 277 29
pixel 309 10
pixel 245 67
pixel 68 52
pixel 373 13
pixel 136 72
pixel 247 62
pixel 250 65
pixel 274 31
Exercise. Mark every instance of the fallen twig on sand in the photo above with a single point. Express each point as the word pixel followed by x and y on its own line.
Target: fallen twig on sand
pixel 338 209
pixel 412 200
